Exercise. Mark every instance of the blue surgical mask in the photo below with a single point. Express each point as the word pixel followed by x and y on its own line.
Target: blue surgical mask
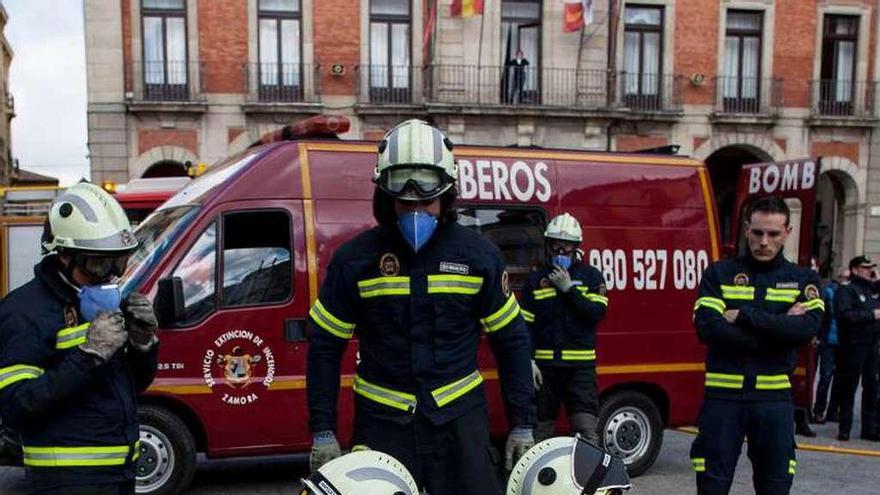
pixel 417 227
pixel 94 299
pixel 563 260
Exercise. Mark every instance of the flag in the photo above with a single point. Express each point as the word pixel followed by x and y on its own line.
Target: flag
pixel 573 15
pixel 427 36
pixel 466 8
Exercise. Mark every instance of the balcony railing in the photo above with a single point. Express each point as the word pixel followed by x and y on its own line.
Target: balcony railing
pixel 282 83
pixel 167 81
pixel 748 95
pixel 839 98
pixel 650 93
pixel 388 84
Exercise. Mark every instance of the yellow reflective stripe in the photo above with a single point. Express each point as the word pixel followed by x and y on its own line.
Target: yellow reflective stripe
pixel 17 373
pixel 815 304
pixel 699 464
pixel 527 315
pixel 499 319
pixel 578 355
pixel 723 380
pixel 137 451
pixel 711 303
pixel 454 284
pixel 544 293
pixel 741 292
pixel 543 354
pixel 328 322
pixel 384 286
pixel 448 393
pixel 772 382
pixel 782 295
pixel 792 466
pixel 383 395
pixel 597 298
pixel 71 337
pixel 113 455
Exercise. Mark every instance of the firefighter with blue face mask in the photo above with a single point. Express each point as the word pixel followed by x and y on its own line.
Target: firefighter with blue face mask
pixel 419 290
pixel 562 304
pixel 74 354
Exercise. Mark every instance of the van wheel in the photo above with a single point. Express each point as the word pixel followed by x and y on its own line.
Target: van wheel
pixel 631 427
pixel 167 460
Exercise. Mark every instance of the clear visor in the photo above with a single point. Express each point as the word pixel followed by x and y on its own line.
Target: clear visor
pixel 423 180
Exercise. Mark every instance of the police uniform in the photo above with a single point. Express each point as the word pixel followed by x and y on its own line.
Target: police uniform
pixel 418 318
pixel 747 387
pixel 563 328
pixel 77 419
pixel 857 331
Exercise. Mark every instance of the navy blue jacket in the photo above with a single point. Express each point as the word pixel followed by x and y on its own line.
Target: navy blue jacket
pixel 854 306
pixel 563 324
pixel 56 396
pixel 752 358
pixel 418 319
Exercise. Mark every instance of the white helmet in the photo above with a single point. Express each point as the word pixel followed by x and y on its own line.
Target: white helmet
pixel 564 227
pixel 87 219
pixel 366 472
pixel 567 466
pixel 415 162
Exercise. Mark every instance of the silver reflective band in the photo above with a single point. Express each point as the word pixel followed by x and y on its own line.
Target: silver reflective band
pixel 18 372
pixel 448 393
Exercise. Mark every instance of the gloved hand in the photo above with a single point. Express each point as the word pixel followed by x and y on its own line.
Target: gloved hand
pixel 325 448
pixel 537 377
pixel 560 278
pixel 140 321
pixel 106 334
pixel 519 441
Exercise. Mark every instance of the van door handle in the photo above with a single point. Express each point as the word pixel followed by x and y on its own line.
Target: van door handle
pixel 295 330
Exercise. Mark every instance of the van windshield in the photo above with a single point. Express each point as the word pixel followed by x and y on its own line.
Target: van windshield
pixel 196 191
pixel 155 236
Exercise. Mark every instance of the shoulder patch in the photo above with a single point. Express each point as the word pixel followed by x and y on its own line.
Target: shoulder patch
pixel 70 318
pixel 545 283
pixel 505 283
pixel 811 292
pixel 741 279
pixel 389 266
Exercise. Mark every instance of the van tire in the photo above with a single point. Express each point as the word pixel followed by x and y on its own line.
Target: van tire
pixel 631 427
pixel 168 453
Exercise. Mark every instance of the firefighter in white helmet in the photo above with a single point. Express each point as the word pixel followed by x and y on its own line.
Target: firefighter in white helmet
pixel 73 355
pixel 366 472
pixel 568 466
pixel 563 303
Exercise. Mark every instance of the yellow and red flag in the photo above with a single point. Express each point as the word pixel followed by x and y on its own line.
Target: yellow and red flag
pixel 576 14
pixel 466 8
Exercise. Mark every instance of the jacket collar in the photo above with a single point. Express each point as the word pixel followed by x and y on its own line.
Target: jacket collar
pixel 50 272
pixel 763 266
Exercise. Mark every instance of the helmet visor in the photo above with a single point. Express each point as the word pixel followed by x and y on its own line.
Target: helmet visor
pixel 102 266
pixel 425 182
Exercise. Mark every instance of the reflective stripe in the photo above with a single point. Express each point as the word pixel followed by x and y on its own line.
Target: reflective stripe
pixel 782 295
pixel 386 396
pixel 71 337
pixel 527 315
pixel 741 292
pixel 328 322
pixel 18 372
pixel 711 303
pixel 772 382
pixel 114 455
pixel 815 304
pixel 454 284
pixel 544 293
pixel 597 298
pixel 384 286
pixel 792 466
pixel 578 355
pixel 699 464
pixel 543 353
pixel 137 451
pixel 499 319
pixel 448 393
pixel 722 380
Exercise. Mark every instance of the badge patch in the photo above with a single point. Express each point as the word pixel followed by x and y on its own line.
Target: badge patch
pixel 457 268
pixel 388 265
pixel 505 283
pixel 741 279
pixel 70 318
pixel 811 292
pixel 862 297
pixel 787 285
pixel 602 290
pixel 544 283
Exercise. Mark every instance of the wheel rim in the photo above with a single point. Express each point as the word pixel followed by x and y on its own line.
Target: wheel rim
pixel 628 434
pixel 156 462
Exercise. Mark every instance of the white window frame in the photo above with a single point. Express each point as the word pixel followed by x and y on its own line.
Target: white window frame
pixel 307 54
pixel 768 8
pixel 667 62
pixel 864 14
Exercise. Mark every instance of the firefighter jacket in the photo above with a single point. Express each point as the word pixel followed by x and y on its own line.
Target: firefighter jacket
pixel 77 418
pixel 418 319
pixel 752 358
pixel 563 324
pixel 854 306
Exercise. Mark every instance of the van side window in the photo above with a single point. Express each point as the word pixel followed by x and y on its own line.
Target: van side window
pixel 256 258
pixel 518 233
pixel 197 271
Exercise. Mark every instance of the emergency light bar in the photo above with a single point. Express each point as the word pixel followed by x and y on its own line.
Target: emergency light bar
pixel 319 126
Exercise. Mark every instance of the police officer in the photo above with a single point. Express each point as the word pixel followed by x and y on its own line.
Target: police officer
pixel 753 312
pixel 857 312
pixel 419 290
pixel 71 360
pixel 562 304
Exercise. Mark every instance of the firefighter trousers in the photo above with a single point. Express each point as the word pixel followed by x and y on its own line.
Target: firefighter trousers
pixel 574 387
pixel 859 362
pixel 724 424
pixel 455 458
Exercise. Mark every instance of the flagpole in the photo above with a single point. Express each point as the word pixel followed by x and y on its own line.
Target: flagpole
pixel 480 53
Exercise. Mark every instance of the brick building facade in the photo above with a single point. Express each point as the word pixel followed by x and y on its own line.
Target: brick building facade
pixel 729 81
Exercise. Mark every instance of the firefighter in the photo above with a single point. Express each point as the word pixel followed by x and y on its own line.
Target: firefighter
pixel 418 290
pixel 857 312
pixel 752 313
pixel 365 472
pixel 73 357
pixel 562 304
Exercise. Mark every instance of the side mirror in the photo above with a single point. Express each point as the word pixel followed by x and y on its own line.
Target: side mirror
pixel 169 302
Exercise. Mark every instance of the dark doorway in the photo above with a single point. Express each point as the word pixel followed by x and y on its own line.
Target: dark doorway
pixel 724 166
pixel 166 168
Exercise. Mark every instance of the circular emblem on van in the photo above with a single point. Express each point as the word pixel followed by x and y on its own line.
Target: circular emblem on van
pixel 388 265
pixel 505 283
pixel 741 279
pixel 811 292
pixel 544 283
pixel 239 367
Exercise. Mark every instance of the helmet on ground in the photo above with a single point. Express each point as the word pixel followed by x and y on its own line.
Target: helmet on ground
pixel 567 466
pixel 564 227
pixel 415 162
pixel 365 472
pixel 85 218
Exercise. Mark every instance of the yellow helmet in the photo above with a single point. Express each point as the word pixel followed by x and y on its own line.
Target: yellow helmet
pixel 87 219
pixel 415 162
pixel 564 227
pixel 365 472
